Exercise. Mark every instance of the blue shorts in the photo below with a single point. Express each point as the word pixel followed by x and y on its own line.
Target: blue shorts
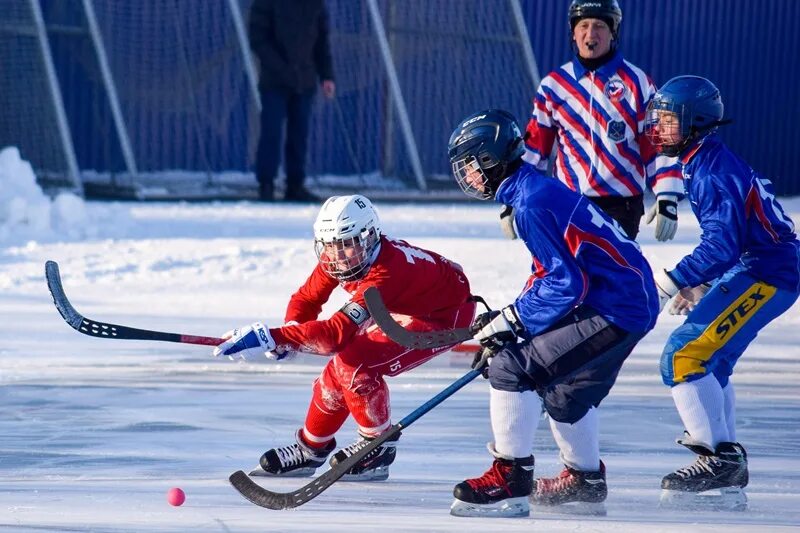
pixel 572 365
pixel 719 329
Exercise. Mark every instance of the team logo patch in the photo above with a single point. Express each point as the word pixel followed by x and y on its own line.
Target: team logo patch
pixel 616 130
pixel 615 90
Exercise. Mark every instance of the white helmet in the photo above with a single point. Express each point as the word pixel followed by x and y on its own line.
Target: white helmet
pixel 347 236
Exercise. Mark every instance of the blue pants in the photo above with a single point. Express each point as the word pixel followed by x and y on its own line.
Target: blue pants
pixel 719 329
pixel 278 107
pixel 572 365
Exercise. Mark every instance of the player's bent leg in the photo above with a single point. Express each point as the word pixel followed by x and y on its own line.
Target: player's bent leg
pixel 314 442
pixel 360 369
pixel 721 327
pixel 327 410
pixel 710 341
pixel 367 397
pixel 502 491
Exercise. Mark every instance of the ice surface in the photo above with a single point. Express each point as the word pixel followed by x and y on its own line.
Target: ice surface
pixel 94 432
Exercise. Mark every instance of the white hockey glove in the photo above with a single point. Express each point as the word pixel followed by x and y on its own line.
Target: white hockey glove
pixel 686 300
pixel 248 343
pixel 507 222
pixel 666 287
pixel 495 329
pixel 665 212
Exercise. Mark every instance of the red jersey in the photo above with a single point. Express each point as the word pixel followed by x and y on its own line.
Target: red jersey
pixel 411 281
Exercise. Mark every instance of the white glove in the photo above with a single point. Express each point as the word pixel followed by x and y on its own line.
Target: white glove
pixel 666 288
pixel 496 328
pixel 247 343
pixel 665 211
pixel 687 299
pixel 507 222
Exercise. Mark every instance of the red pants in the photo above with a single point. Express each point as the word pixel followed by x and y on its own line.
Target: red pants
pixel 352 381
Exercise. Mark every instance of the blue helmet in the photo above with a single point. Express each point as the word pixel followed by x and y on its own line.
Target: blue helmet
pixel 697 106
pixel 485 149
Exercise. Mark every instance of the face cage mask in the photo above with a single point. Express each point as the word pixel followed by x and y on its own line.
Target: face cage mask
pixel 471 178
pixel 347 259
pixel 659 139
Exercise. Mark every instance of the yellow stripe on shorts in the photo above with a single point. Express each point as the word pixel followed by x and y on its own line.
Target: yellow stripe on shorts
pixel 689 360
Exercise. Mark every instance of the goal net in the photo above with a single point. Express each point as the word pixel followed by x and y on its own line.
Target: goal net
pixel 29 114
pixel 406 72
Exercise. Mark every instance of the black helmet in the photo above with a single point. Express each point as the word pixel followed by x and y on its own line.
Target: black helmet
pixel 485 149
pixel 606 10
pixel 696 104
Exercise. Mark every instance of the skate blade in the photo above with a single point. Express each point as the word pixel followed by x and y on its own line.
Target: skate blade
pixel 376 474
pixel 508 508
pixel 572 508
pixel 300 472
pixel 725 499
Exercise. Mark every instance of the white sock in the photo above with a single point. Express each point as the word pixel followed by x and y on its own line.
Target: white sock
pixel 515 416
pixel 702 409
pixel 730 410
pixel 579 442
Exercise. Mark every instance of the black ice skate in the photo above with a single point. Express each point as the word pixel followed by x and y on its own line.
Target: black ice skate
pixel 295 460
pixel 502 491
pixel 714 481
pixel 373 467
pixel 587 490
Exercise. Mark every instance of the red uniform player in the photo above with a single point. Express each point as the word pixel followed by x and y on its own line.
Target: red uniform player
pixel 422 289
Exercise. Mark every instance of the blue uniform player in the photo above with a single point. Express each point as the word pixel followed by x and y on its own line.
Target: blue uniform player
pixel 589 300
pixel 746 271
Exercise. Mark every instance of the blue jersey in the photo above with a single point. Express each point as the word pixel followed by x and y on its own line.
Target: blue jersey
pixel 580 256
pixel 740 218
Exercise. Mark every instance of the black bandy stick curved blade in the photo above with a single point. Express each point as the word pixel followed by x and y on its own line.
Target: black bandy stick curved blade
pixel 404 337
pixel 259 495
pixel 288 500
pixel 79 322
pixel 95 328
pixel 53 276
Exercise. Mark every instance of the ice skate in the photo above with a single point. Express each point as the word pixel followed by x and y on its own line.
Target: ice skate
pixel 373 467
pixel 295 460
pixel 715 481
pixel 572 491
pixel 502 491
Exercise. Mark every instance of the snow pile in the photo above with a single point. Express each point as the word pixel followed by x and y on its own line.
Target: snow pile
pixel 26 213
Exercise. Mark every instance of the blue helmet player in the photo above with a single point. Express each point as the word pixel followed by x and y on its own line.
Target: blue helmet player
pixel 746 271
pixel 589 299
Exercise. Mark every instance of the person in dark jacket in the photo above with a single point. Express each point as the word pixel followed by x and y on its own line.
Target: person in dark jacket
pixel 290 40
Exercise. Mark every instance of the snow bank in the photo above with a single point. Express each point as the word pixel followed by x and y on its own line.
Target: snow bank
pixel 26 213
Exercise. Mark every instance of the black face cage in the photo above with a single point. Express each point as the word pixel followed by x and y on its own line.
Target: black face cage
pixel 347 259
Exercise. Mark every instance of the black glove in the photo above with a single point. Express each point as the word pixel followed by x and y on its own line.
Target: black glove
pixel 481 360
pixel 495 329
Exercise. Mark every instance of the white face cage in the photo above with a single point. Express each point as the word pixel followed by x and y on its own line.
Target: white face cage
pixel 471 177
pixel 348 259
